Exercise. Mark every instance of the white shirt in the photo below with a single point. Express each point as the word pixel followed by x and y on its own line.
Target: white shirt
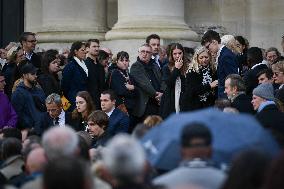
pixel 61 119
pixel 218 54
pixel 82 65
pixel 109 113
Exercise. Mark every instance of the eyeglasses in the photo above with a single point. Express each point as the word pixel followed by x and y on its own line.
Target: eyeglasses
pixel 32 41
pixel 208 45
pixel 277 73
pixel 145 52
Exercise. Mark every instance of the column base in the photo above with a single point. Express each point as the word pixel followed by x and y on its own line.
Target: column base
pixel 68 36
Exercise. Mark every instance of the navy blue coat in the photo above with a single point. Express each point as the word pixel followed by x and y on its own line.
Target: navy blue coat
pixel 227 64
pixel 118 122
pixel 74 79
pixel 23 101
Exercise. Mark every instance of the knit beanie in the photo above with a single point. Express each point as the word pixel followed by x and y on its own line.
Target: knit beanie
pixel 265 91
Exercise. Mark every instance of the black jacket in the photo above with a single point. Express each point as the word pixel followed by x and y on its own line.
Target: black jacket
pixel 49 84
pixel 243 104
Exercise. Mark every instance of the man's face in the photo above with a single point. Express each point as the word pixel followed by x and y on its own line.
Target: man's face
pixel 145 54
pixel 106 104
pixel 271 57
pixel 2 83
pixel 30 77
pixel 230 91
pixel 256 102
pixel 93 49
pixel 264 79
pixel 212 46
pixel 53 109
pixel 30 44
pixel 94 129
pixel 155 44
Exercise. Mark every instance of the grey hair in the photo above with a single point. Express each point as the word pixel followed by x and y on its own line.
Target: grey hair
pixel 237 81
pixel 53 98
pixel 124 157
pixel 144 45
pixel 60 141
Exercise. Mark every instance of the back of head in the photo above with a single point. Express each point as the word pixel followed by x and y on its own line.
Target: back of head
pixel 60 141
pixel 11 147
pixel 36 160
pixel 12 132
pixel 124 158
pixel 67 173
pixel 247 172
pixel 196 141
pixel 254 56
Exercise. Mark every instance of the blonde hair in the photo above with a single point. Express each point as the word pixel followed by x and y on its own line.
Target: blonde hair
pixel 278 66
pixel 230 42
pixel 194 64
pixel 152 120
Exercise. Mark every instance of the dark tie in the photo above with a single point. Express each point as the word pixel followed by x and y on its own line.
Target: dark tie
pixel 56 121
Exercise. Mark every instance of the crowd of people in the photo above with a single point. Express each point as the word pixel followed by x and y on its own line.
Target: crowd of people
pixel 64 110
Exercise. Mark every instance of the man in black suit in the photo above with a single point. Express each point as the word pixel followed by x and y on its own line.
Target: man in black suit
pixel 226 60
pixel 55 115
pixel 118 121
pixel 255 64
pixel 96 79
pixel 235 90
pixel 28 42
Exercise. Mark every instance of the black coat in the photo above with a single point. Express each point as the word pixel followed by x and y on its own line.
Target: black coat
pixel 8 72
pixel 47 122
pixel 96 81
pixel 117 80
pixel 194 88
pixel 243 104
pixel 168 99
pixel 271 118
pixel 251 79
pixel 49 84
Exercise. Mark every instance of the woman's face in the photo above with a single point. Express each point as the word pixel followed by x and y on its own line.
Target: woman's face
pixel 54 65
pixel 94 129
pixel 239 46
pixel 20 56
pixel 177 54
pixel 203 59
pixel 123 63
pixel 81 104
pixel 278 76
pixel 81 53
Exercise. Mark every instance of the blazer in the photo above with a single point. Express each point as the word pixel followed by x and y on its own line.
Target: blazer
pixel 227 64
pixel 47 122
pixel 74 79
pixel 145 90
pixel 118 122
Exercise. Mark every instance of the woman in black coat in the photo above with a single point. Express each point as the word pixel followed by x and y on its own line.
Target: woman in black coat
pixel 50 66
pixel 200 82
pixel 173 81
pixel 121 83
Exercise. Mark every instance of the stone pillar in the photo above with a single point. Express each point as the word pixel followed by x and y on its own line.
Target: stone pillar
pixel 266 23
pixel 33 15
pixel 137 19
pixel 66 21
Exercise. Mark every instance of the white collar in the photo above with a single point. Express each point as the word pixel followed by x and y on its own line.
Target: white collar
pixel 261 63
pixel 281 86
pixel 61 119
pixel 110 112
pixel 218 53
pixel 81 64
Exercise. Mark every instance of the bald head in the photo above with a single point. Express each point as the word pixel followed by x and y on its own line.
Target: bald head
pixel 36 160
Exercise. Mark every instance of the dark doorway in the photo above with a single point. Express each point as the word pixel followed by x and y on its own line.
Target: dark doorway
pixel 11 20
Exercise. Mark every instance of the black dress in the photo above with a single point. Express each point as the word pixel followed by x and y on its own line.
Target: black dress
pixel 198 93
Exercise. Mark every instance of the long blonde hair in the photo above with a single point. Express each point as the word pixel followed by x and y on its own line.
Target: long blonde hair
pixel 194 64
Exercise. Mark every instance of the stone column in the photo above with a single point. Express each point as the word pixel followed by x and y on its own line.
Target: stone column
pixel 65 21
pixel 266 23
pixel 137 19
pixel 33 15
